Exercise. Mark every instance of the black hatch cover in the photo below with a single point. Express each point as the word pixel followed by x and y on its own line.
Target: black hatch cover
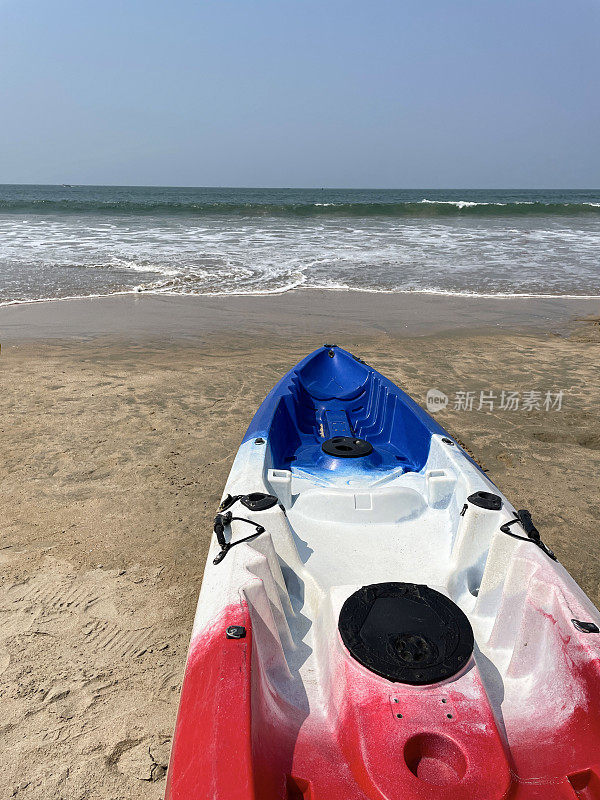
pixel 406 632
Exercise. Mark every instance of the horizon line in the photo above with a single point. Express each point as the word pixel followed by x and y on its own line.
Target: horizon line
pixel 315 188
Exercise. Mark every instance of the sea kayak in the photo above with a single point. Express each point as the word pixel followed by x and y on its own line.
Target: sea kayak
pixel 376 621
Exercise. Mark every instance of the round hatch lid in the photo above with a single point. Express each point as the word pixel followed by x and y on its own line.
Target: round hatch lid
pixel 347 447
pixel 406 632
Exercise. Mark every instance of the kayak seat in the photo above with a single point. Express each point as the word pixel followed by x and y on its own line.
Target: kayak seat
pixel 332 395
pixel 303 422
pixel 334 377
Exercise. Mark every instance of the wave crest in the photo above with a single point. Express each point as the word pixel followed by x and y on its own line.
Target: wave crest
pixel 422 208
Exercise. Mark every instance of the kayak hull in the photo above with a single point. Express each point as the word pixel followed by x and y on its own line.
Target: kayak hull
pixel 285 711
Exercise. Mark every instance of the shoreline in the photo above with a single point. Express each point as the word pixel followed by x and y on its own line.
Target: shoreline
pixel 301 288
pixel 295 314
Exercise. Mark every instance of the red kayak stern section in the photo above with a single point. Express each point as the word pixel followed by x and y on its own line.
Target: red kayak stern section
pixel 236 738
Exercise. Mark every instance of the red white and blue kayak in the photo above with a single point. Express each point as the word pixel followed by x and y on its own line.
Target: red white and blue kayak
pixel 376 621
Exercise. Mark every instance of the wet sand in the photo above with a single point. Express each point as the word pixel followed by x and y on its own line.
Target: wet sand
pixel 120 418
pixel 307 313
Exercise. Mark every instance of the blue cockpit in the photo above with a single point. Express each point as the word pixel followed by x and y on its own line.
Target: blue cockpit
pixel 332 407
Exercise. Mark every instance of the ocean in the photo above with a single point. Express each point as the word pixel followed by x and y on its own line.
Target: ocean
pixel 74 241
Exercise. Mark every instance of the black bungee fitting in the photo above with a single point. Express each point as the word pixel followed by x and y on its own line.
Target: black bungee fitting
pixel 254 501
pixel 523 518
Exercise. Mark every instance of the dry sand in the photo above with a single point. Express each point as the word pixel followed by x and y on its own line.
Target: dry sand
pixel 115 449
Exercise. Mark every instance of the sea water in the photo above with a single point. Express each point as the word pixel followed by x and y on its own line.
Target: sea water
pixel 68 241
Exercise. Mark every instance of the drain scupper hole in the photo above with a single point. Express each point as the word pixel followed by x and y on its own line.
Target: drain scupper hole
pixel 435 759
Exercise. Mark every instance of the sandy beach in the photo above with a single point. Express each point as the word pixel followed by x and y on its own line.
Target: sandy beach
pixel 120 418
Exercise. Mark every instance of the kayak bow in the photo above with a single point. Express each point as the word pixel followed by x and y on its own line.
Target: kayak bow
pixel 376 621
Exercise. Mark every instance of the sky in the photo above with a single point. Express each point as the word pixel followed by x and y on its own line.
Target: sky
pixel 376 93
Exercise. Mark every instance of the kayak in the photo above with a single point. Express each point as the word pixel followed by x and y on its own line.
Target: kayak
pixel 376 621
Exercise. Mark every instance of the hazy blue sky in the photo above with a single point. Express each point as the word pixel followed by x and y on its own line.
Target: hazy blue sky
pixel 426 93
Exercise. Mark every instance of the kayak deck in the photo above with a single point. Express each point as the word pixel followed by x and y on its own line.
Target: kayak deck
pixel 287 712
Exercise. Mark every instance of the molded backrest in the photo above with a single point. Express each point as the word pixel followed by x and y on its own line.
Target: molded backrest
pixel 338 377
